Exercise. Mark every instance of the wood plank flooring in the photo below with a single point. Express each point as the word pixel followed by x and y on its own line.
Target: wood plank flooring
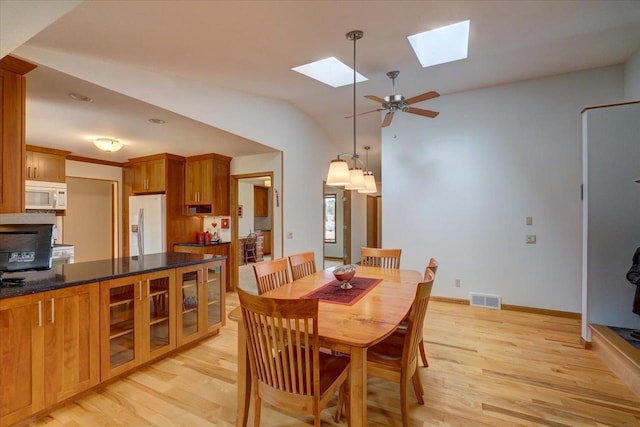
pixel 487 368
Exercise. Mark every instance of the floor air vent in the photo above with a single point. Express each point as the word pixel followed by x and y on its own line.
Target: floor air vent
pixel 486 300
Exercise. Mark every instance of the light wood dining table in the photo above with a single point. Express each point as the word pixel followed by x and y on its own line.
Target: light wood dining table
pixel 348 329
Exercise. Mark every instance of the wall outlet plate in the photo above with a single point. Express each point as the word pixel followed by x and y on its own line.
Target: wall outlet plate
pixel 531 239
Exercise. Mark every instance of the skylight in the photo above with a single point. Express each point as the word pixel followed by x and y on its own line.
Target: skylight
pixel 330 71
pixel 445 44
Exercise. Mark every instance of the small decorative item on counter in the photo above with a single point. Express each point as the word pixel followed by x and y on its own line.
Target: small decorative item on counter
pixel 200 237
pixel 344 273
pixel 207 238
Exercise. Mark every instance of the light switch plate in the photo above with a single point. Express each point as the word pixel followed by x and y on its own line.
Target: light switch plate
pixel 529 220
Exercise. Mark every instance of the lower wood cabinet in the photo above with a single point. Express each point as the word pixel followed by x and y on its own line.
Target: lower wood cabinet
pixel 200 302
pixel 138 320
pixel 48 349
pixel 222 249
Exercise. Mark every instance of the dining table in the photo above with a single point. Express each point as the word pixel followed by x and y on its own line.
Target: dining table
pixel 345 327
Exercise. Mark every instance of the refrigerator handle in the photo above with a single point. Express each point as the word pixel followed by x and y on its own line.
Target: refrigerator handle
pixel 141 232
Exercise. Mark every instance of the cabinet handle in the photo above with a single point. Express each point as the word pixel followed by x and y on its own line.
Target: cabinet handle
pixel 35 172
pixel 28 171
pixel 53 310
pixel 140 290
pixel 39 313
pixel 148 288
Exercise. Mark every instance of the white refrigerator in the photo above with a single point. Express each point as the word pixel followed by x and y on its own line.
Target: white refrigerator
pixel 147 224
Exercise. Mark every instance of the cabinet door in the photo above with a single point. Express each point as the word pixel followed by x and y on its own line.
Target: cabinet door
pixel 260 201
pixel 21 360
pixel 120 325
pixel 221 169
pixel 198 182
pixel 155 172
pixel 139 177
pixel 72 357
pixel 159 313
pixel 189 304
pixel 214 293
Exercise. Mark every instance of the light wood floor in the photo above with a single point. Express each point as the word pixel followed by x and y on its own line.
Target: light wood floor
pixel 488 368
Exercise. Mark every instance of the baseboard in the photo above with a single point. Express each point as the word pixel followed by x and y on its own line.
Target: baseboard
pixel 557 313
pixel 619 356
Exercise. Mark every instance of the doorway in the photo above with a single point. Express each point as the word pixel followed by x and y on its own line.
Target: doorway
pixel 89 219
pixel 337 226
pixel 252 211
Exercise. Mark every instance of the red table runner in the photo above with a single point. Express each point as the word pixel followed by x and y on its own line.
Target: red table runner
pixel 331 292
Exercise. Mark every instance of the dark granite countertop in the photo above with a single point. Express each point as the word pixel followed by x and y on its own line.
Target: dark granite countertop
pixel 65 275
pixel 202 244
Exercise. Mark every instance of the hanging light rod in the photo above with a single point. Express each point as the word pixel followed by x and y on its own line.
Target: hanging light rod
pixel 339 172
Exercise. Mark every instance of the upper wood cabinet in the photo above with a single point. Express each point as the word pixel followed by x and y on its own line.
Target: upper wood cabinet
pixel 12 132
pixel 149 174
pixel 260 201
pixel 45 164
pixel 207 184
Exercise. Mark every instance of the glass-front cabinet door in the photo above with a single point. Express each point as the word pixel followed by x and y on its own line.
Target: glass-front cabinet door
pixel 189 282
pixel 120 299
pixel 159 313
pixel 214 288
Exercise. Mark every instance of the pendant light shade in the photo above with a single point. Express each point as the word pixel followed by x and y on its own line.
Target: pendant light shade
pixel 338 173
pixel 370 186
pixel 357 179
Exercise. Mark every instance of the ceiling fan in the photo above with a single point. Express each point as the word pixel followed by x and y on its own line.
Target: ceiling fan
pixel 395 102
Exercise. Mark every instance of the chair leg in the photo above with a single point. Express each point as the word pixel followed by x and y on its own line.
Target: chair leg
pixel 339 404
pixel 257 406
pixel 404 401
pixel 423 354
pixel 417 387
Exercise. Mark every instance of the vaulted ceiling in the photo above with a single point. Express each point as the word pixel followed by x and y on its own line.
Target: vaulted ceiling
pixel 251 46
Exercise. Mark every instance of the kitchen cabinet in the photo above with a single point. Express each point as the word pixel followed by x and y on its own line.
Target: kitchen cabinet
pixel 12 132
pixel 218 249
pixel 200 304
pixel 149 175
pixel 45 164
pixel 260 201
pixel 138 320
pixel 49 349
pixel 207 182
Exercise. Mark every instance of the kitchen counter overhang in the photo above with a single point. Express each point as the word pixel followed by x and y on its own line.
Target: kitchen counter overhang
pixel 66 275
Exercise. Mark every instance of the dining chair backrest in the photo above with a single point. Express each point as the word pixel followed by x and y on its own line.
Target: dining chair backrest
pixel 284 355
pixel 380 257
pixel 416 320
pixel 302 264
pixel 271 274
pixel 431 266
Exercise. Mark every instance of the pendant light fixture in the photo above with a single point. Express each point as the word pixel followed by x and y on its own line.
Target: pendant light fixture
pixel 369 181
pixel 339 171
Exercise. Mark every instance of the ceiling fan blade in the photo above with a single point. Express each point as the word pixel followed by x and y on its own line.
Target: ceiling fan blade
pixel 387 119
pixel 421 112
pixel 366 112
pixel 422 97
pixel 375 98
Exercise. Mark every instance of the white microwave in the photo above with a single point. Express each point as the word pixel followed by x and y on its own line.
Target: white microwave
pixel 45 195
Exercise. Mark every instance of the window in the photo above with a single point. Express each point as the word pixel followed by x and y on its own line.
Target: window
pixel 330 218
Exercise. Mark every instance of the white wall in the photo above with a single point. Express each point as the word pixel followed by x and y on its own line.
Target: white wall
pixel 632 78
pixel 358 224
pixel 612 210
pixel 459 187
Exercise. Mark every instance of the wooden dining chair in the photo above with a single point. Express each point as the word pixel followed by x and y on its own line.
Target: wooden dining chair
pixel 271 274
pixel 288 370
pixel 380 257
pixel 302 264
pixel 396 357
